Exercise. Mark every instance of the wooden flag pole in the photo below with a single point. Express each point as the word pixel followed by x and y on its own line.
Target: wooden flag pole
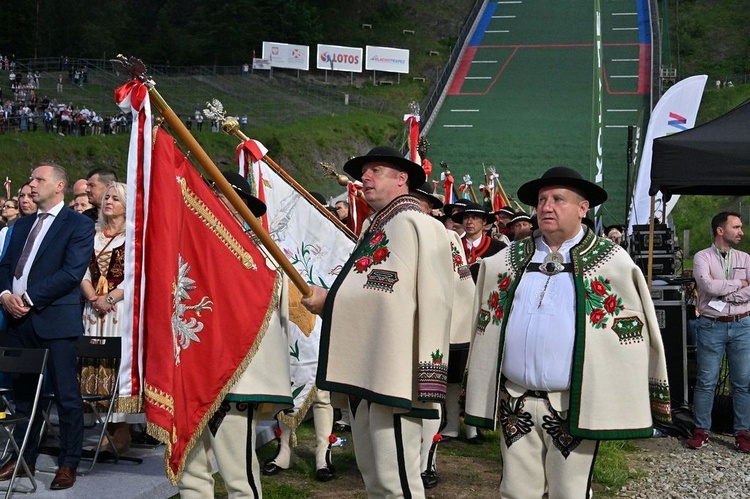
pixel 226 189
pixel 232 127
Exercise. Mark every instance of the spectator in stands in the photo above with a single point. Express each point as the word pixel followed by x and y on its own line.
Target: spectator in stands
pixel 59 83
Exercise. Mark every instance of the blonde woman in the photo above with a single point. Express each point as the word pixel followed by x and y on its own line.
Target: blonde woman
pixel 102 314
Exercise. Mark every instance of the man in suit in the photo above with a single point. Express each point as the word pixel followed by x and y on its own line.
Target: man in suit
pixel 40 277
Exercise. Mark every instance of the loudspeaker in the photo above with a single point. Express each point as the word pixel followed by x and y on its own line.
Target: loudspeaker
pixel 662 265
pixel 671 316
pixel 663 239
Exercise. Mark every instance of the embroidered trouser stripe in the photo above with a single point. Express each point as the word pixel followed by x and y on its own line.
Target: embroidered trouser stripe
pixel 399 443
pixel 543 462
pixel 387 449
pixel 251 458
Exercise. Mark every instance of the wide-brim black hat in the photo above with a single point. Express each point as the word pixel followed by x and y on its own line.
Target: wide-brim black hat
pixel 563 176
pixel 460 203
pixel 519 217
pixel 505 210
pixel 475 209
pixel 242 188
pixel 391 156
pixel 426 190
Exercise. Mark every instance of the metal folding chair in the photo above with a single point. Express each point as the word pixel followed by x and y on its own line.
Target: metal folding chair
pixel 101 347
pixel 22 361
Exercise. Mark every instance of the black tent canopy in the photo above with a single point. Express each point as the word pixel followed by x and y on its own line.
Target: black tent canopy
pixel 711 159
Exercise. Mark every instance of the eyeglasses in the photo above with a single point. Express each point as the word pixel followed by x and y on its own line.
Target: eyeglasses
pixel 9 206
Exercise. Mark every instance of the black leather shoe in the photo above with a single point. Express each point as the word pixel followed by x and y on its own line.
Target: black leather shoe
pixel 270 468
pixel 430 479
pixel 341 427
pixel 478 440
pixel 324 474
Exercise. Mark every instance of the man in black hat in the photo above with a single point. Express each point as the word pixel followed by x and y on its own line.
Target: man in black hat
pixel 230 434
pixel 504 217
pixel 520 226
pixel 449 210
pixel 386 325
pixel 477 244
pixel 567 341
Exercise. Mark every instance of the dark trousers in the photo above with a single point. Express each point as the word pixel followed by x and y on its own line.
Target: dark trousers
pixel 62 371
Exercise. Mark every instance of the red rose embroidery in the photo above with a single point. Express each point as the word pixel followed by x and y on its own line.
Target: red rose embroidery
pixel 494 300
pixel 458 260
pixel 598 288
pixel 498 313
pixel 504 284
pixel 610 304
pixel 376 238
pixel 332 438
pixel 597 315
pixel 363 263
pixel 380 255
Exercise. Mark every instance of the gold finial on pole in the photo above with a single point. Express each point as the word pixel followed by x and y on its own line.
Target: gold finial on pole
pixel 230 125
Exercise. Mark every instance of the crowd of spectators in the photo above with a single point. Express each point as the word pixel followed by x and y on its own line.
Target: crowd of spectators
pixel 22 109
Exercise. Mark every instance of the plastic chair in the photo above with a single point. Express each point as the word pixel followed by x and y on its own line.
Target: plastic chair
pixel 22 361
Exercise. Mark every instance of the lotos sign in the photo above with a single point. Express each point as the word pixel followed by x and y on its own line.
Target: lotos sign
pixel 338 58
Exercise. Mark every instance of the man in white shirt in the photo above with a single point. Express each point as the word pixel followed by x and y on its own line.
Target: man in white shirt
pixel 566 349
pixel 40 277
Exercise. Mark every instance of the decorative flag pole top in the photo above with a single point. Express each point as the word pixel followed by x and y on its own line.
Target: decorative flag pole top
pixel 136 69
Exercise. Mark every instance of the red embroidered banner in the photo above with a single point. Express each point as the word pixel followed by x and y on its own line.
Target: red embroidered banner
pixel 198 336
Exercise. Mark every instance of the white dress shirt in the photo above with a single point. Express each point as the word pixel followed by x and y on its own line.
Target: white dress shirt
pixel 19 285
pixel 539 337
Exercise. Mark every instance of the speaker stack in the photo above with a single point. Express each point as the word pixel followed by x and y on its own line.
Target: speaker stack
pixel 663 252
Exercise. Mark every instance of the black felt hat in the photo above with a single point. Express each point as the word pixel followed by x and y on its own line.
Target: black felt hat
pixel 475 209
pixel 449 208
pixel 391 156
pixel 563 176
pixel 242 188
pixel 505 210
pixel 519 217
pixel 426 190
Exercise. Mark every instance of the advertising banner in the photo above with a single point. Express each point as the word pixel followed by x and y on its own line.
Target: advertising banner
pixel 338 58
pixel 388 59
pixel 285 55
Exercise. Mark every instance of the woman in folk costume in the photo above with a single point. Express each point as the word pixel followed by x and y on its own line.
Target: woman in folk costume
pixel 261 391
pixel 102 316
pixel 460 336
pixel 567 349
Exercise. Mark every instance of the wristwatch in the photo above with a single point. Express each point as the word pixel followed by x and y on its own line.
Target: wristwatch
pixel 110 300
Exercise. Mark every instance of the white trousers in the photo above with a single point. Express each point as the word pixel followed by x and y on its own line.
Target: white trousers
pixel 453 414
pixel 387 445
pixel 323 419
pixel 540 457
pixel 230 447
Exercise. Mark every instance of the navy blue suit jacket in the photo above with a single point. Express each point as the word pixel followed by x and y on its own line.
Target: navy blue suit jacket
pixel 55 275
